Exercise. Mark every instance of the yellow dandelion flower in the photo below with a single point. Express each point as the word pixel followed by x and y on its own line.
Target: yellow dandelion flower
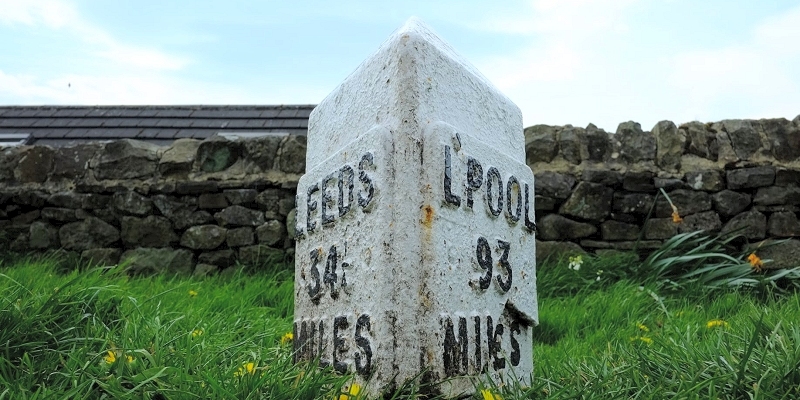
pixel 110 357
pixel 129 358
pixel 643 339
pixel 192 293
pixel 197 332
pixel 349 392
pixel 643 327
pixel 755 262
pixel 716 323
pixel 489 395
pixel 250 368
pixel 287 338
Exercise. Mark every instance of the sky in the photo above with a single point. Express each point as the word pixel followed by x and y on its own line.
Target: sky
pixel 561 61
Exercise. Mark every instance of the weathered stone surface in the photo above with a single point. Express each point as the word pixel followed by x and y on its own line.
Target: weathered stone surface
pixel 787 177
pixel 292 154
pixel 626 218
pixel 217 154
pixel 572 144
pixel 541 203
pixel 238 237
pixel 687 201
pixel 262 151
pixel 660 228
pixel 241 197
pixel 555 250
pixel 59 214
pixel 90 233
pixel 615 230
pixel 777 195
pixel 151 231
pixel 707 180
pixel 257 254
pixel 752 223
pixel 71 162
pixel 130 202
pixel 202 270
pixel 556 227
pixel 220 258
pixel 598 143
pixel 26 218
pixel 640 245
pixel 540 144
pixel 669 183
pixel 553 184
pixel 212 201
pixel 9 158
pixel 603 177
pixel 195 187
pixel 177 159
pixel 171 207
pixel 33 199
pixel 782 136
pixel 239 216
pixel 744 138
pixel 195 218
pixel 148 261
pixel 102 257
pixel 783 224
pixel 782 255
pixel 747 178
pixel 590 201
pixel 641 181
pixel 632 203
pixel 291 226
pixel 34 164
pixel 270 233
pixel 204 237
pixel 126 159
pixel 66 199
pixel 701 140
pixel 670 143
pixel 93 201
pixel 729 203
pixel 703 221
pixel 43 236
pixel 634 144
pixel 20 244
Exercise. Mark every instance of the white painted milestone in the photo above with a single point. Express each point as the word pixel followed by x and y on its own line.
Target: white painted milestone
pixel 415 234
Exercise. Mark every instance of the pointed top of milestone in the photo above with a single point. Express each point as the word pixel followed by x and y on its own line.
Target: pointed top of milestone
pixel 414 79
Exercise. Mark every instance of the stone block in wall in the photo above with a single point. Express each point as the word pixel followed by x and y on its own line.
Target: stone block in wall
pixel 556 250
pixel 540 144
pixel 71 162
pixel 557 227
pixel 193 218
pixel 782 137
pixel 102 257
pixel 43 236
pixel 615 231
pixel 270 233
pixel 748 178
pixel 195 187
pixel 634 144
pixel 220 258
pixel 126 159
pixel 151 231
pixel 292 154
pixel 130 202
pixel 9 158
pixel 217 154
pixel 106 214
pixel 701 141
pixel 783 224
pixel 669 183
pixel 541 203
pixel 291 226
pixel 35 199
pixel 632 203
pixel 163 260
pixel 21 242
pixel 744 138
pixel 660 228
pixel 590 201
pixel 687 201
pixel 262 151
pixel 239 216
pixel 34 165
pixel 626 218
pixel 26 218
pixel 59 214
pixel 201 270
pixel 204 237
pixel 171 207
pixel 598 144
pixel 784 254
pixel 729 203
pixel 602 176
pixel 66 199
pixel 572 144
pixel 639 245
pixel 750 224
pixel 707 180
pixel 708 221
pixel 777 195
pixel 238 237
pixel 256 254
pixel 787 177
pixel 638 181
pixel 670 143
pixel 553 184
pixel 177 160
pixel 241 197
pixel 212 201
pixel 90 233
pixel 91 201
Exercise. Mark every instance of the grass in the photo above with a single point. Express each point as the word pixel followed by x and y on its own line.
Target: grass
pixel 608 329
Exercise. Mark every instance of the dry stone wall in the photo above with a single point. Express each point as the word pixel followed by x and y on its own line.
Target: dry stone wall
pixel 198 206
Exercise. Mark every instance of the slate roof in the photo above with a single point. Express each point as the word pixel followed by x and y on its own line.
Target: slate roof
pixel 64 125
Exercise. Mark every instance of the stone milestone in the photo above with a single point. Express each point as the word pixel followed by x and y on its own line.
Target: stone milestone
pixel 415 252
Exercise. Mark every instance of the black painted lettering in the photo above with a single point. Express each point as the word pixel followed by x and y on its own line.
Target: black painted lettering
pixel 339 344
pixel 484 255
pixel 474 178
pixel 365 195
pixel 513 214
pixel 528 222
pixel 327 200
pixel 311 205
pixel 456 356
pixel 346 176
pixel 515 353
pixel 330 278
pixel 323 362
pixel 363 325
pixel 504 247
pixel 479 366
pixel 449 197
pixel 300 342
pixel 314 289
pixel 493 179
pixel 494 343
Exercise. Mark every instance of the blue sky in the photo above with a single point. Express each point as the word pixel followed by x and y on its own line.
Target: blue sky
pixel 561 61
